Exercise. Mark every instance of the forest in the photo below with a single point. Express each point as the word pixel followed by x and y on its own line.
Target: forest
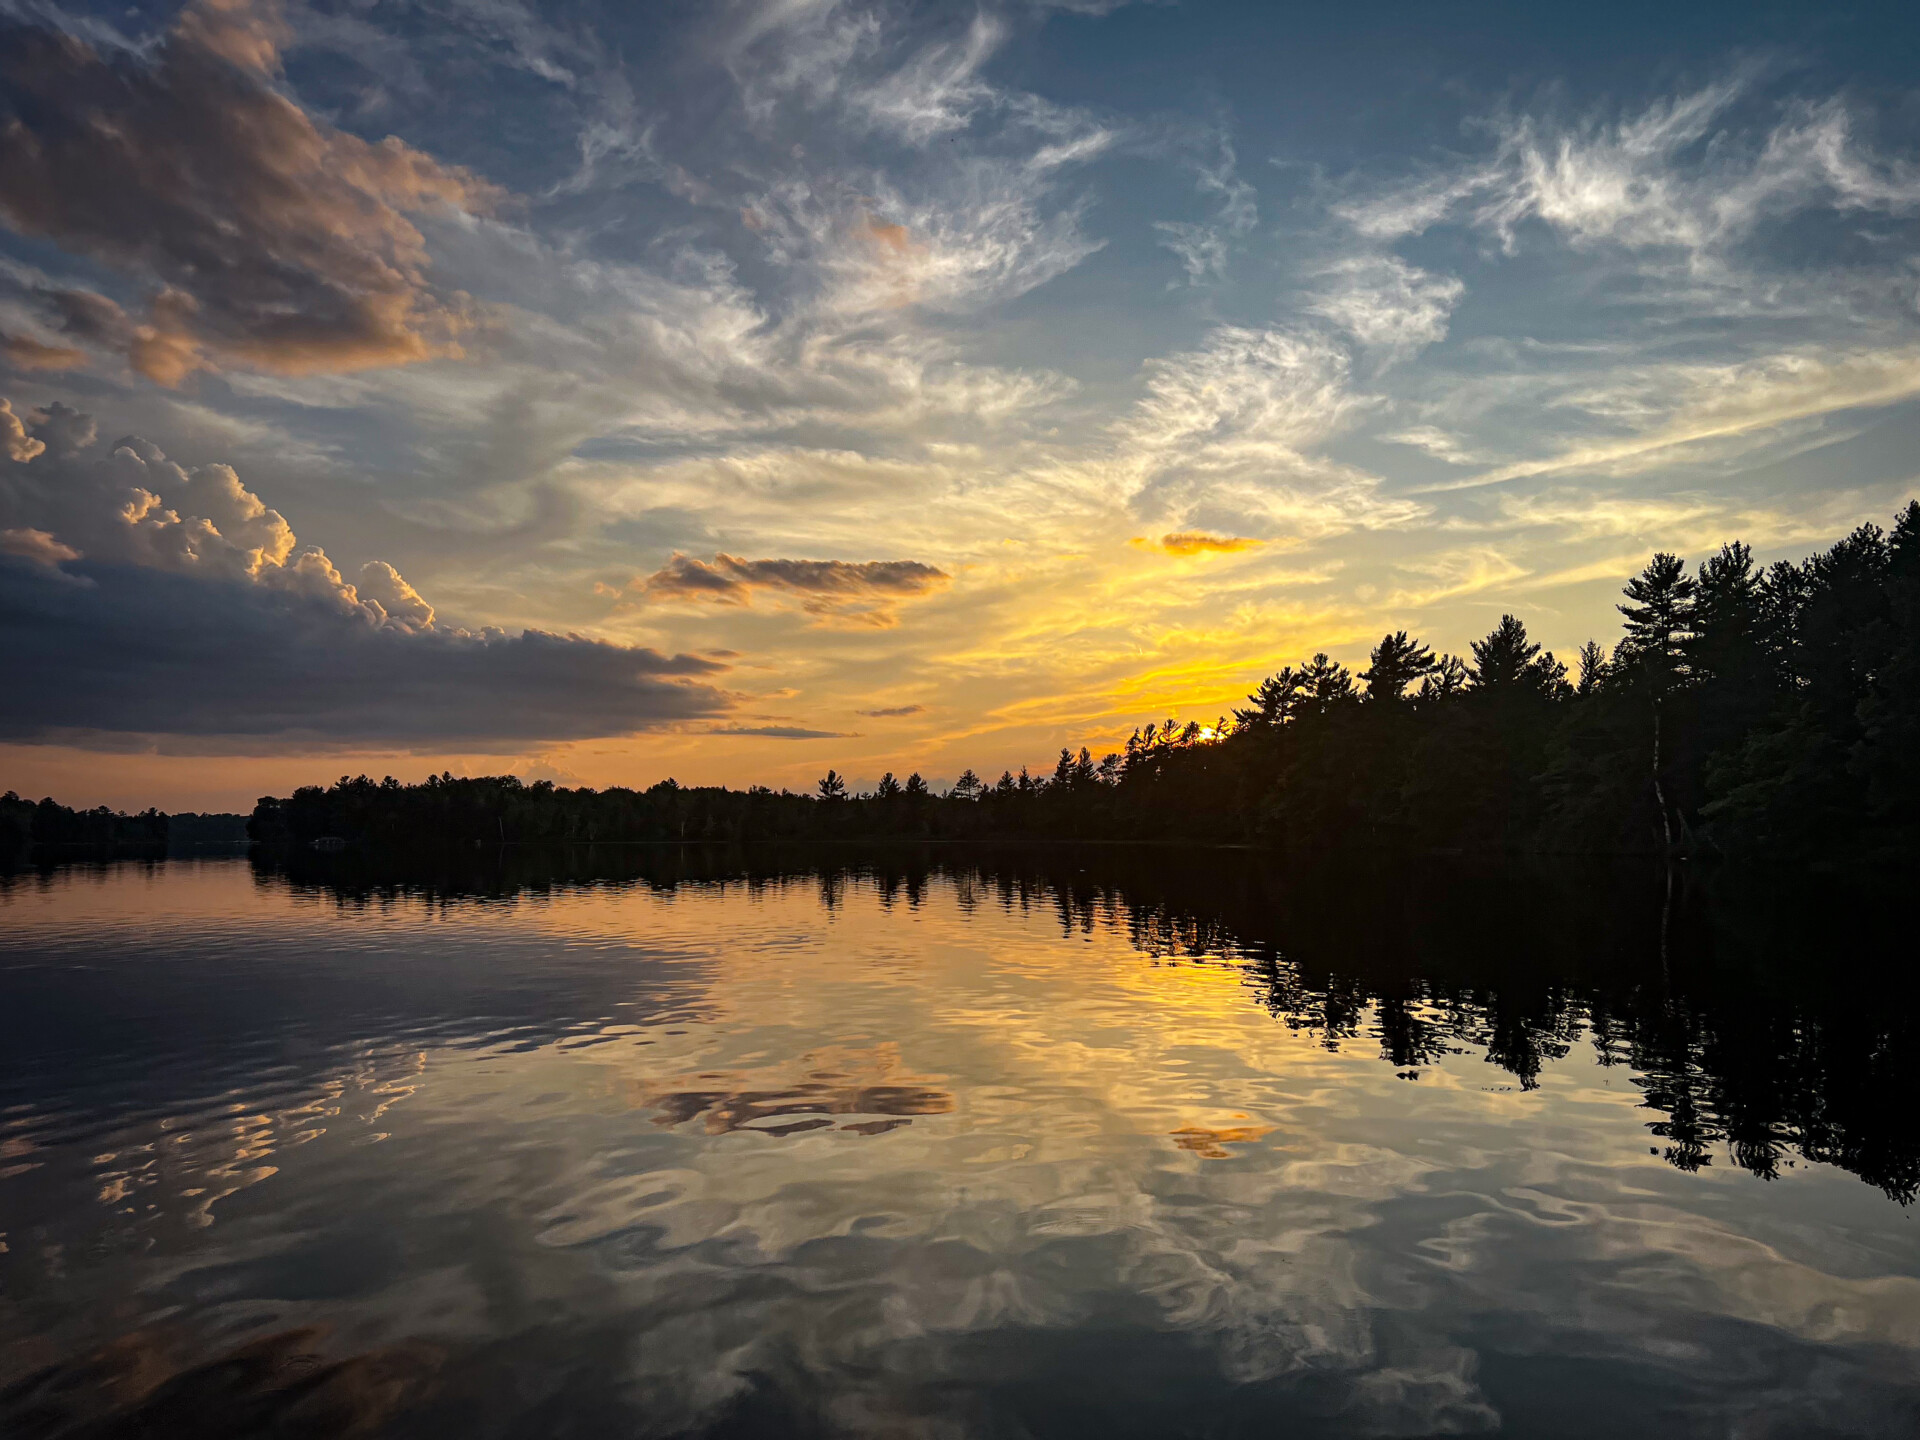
pixel 26 823
pixel 1744 710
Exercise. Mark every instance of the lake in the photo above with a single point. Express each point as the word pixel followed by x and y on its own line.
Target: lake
pixel 1109 1143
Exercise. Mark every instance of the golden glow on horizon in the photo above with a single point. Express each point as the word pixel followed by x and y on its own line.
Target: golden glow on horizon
pixel 815 428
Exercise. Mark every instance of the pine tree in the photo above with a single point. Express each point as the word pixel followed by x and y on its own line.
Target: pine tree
pixel 1449 678
pixel 1508 661
pixel 1327 683
pixel 1659 620
pixel 1275 702
pixel 1396 663
pixel 1592 660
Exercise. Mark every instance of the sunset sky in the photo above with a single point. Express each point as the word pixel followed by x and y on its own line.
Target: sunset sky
pixel 602 392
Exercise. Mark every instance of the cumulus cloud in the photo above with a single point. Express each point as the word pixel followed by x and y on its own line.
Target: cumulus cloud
pixel 17 445
pixel 868 591
pixel 380 583
pixel 144 598
pixel 137 651
pixel 136 507
pixel 63 430
pixel 264 237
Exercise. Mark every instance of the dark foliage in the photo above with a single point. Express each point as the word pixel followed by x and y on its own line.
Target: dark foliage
pixel 1742 710
pixel 24 823
pixel 189 831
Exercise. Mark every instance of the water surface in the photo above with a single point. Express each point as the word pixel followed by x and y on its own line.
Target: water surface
pixel 680 1142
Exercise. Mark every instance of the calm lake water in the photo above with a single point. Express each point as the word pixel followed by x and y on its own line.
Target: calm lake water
pixel 662 1142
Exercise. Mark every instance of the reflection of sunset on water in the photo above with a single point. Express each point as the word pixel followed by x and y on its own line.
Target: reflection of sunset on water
pixel 946 1105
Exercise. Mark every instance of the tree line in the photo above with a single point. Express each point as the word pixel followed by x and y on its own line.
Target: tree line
pixel 1743 709
pixel 25 823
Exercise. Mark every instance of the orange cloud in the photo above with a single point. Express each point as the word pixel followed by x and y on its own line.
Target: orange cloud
pixel 270 239
pixel 15 443
pixel 25 353
pixel 888 237
pixel 865 592
pixel 241 32
pixel 1195 542
pixel 36 545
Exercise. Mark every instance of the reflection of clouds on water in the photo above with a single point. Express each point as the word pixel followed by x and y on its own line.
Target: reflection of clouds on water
pixel 818 1090
pixel 929 1171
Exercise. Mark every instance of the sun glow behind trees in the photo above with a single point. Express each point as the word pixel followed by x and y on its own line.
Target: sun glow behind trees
pixel 1741 710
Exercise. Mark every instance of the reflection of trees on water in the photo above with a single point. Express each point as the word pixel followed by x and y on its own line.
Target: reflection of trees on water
pixel 1764 1024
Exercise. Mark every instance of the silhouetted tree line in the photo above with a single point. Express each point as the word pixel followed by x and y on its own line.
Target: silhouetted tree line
pixel 1770 710
pixel 24 823
pixel 1760 1030
pixel 187 830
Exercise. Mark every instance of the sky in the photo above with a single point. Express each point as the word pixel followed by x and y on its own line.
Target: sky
pixel 727 391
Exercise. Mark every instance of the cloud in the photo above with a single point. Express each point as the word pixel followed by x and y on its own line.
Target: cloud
pixel 939 89
pixel 1204 249
pixel 956 225
pixel 37 546
pixel 136 507
pixel 1679 413
pixel 138 651
pixel 865 590
pixel 1196 542
pixel 144 598
pixel 1671 176
pixel 1225 438
pixel 967 235
pixel 1438 443
pixel 782 732
pixel 266 238
pixel 1270 389
pixel 383 585
pixel 888 711
pixel 1387 305
pixel 23 352
pixel 64 430
pixel 15 443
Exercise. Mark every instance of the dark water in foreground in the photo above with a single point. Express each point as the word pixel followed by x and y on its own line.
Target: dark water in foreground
pixel 654 1142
